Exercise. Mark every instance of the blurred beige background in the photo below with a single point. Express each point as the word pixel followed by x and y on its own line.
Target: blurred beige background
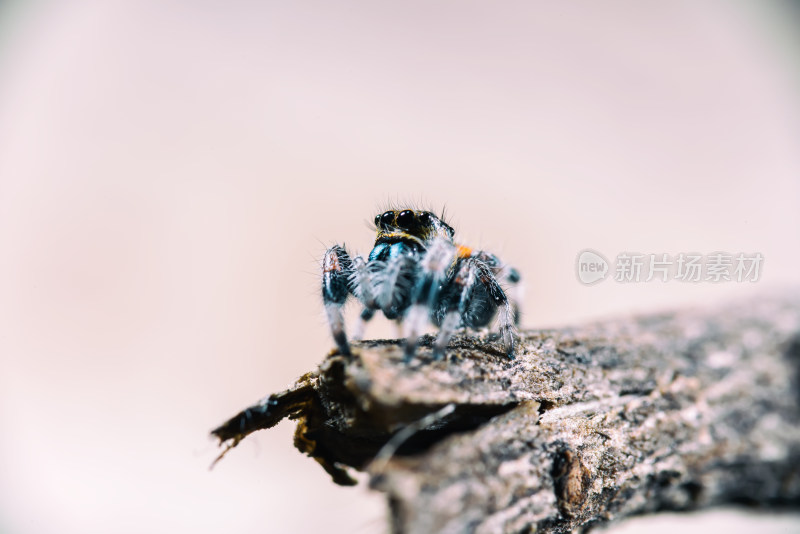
pixel 171 172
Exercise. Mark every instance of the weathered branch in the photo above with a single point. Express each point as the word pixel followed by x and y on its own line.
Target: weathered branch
pixel 663 412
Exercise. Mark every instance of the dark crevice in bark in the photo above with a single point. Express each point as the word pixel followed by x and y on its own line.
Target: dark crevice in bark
pixel 337 432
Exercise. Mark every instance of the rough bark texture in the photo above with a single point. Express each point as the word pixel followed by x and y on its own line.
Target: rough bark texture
pixel 673 411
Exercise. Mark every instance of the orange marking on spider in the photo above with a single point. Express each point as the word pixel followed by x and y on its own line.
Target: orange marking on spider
pixel 464 252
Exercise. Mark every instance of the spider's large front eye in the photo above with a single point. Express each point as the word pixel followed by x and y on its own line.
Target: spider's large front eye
pixel 405 219
pixel 387 219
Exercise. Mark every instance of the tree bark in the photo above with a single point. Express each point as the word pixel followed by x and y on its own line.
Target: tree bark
pixel 587 424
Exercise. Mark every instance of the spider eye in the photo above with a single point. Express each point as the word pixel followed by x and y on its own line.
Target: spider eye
pixel 425 218
pixel 387 219
pixel 378 219
pixel 405 219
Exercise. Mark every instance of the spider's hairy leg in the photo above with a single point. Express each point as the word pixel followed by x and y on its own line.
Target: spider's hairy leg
pixel 508 276
pixel 398 328
pixel 507 314
pixel 361 323
pixel 511 277
pixel 507 318
pixel 434 267
pixel 393 283
pixel 336 271
pixel 361 287
pixel 481 297
pixel 457 299
pixel 446 331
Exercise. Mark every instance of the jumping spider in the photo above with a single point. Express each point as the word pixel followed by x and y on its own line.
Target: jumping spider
pixel 415 273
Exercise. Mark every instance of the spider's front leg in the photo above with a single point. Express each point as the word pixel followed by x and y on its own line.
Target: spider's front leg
pixel 435 266
pixel 337 269
pixel 361 287
pixel 382 285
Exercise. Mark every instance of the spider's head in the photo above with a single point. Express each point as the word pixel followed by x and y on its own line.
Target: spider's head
pixel 409 225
